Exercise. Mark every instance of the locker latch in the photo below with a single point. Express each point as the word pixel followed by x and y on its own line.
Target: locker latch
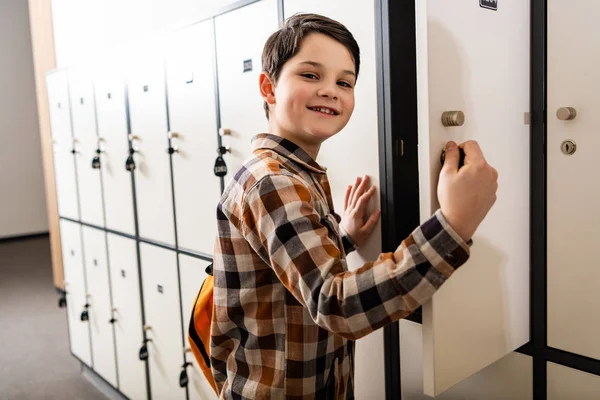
pixel 144 350
pixel 85 315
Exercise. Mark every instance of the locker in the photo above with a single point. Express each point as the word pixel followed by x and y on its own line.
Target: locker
pixel 148 119
pixel 239 65
pixel 358 142
pixel 100 309
pixel 568 383
pixel 572 199
pixel 508 378
pixel 62 143
pixel 192 116
pixel 192 274
pixel 75 287
pixel 87 144
pixel 476 60
pixel 163 321
pixel 111 114
pixel 125 284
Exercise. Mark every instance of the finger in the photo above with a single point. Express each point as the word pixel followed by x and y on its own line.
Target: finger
pixel 360 190
pixel 353 192
pixel 371 223
pixel 451 158
pixel 473 153
pixel 361 204
pixel 347 196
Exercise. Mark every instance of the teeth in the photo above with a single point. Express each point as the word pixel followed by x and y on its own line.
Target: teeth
pixel 324 110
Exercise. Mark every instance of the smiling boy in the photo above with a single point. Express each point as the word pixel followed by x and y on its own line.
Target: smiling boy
pixel 286 308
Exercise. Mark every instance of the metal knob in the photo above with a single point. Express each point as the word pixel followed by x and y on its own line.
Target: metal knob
pixel 147 327
pixel 173 135
pixel 453 118
pixel 566 113
pixel 133 137
pixel 224 132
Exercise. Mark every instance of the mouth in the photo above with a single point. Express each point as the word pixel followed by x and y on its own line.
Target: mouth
pixel 324 110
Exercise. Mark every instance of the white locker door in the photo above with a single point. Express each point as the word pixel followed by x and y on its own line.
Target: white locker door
pixel 79 334
pixel 358 142
pixel 192 115
pixel 100 314
pixel 112 127
pixel 192 274
pixel 567 383
pixel 163 320
pixel 240 38
pixel 148 118
pixel 476 60
pixel 62 139
pixel 125 284
pixel 86 143
pixel 573 198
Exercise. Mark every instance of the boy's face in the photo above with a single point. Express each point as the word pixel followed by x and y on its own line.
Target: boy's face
pixel 314 96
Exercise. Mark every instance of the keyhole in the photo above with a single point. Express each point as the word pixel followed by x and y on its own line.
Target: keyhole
pixel 568 147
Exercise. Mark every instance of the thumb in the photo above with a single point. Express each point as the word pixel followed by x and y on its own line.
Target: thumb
pixel 452 158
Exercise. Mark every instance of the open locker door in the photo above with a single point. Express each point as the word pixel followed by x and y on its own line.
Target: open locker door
pixel 474 58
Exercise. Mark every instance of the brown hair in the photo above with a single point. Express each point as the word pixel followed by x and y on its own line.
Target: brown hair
pixel 285 43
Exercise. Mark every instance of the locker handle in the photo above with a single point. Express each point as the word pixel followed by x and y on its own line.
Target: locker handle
pixel 183 376
pixel 62 301
pixel 112 320
pixel 172 150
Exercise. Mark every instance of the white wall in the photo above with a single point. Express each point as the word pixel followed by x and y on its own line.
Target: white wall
pixel 22 195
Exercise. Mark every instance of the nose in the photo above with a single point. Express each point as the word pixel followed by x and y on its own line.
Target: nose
pixel 328 91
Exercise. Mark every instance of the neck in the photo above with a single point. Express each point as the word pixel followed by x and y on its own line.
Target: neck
pixel 310 147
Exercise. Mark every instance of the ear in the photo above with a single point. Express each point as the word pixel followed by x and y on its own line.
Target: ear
pixel 267 88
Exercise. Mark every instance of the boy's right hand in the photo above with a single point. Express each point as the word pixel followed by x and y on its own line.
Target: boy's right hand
pixel 467 194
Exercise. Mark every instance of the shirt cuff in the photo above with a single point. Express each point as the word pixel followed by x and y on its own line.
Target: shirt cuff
pixel 349 245
pixel 441 245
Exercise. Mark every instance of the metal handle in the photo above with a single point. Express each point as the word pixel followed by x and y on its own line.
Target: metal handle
pixel 173 135
pixel 566 113
pixel 453 118
pixel 147 327
pixel 224 132
pixel 133 137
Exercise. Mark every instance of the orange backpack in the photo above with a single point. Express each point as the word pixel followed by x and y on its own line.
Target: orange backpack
pixel 199 330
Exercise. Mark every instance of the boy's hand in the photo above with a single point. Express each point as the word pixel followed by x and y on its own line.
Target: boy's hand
pixel 355 205
pixel 467 194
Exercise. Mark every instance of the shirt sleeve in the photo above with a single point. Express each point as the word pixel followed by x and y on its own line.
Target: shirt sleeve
pixel 349 245
pixel 282 226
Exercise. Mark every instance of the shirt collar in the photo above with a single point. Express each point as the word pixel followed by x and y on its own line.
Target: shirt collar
pixel 287 149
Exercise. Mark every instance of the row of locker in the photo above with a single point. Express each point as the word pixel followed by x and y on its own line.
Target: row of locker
pixel 105 299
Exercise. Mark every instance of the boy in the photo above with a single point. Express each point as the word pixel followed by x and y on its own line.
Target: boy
pixel 286 308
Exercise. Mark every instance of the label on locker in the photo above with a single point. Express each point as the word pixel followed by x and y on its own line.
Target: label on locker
pixel 123 273
pixel 248 65
pixel 489 4
pixel 160 288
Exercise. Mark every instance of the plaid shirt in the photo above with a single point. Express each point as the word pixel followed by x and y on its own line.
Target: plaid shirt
pixel 286 308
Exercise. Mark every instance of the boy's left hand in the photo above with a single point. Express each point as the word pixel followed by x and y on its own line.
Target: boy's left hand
pixel 355 209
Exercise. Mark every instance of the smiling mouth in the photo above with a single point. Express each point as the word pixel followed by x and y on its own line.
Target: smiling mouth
pixel 324 110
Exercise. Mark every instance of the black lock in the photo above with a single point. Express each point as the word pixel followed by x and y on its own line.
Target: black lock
pixel 96 162
pixel 62 302
pixel 85 315
pixel 461 162
pixel 130 163
pixel 183 376
pixel 144 350
pixel 112 320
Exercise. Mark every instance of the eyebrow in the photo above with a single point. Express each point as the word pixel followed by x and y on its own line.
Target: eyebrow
pixel 319 65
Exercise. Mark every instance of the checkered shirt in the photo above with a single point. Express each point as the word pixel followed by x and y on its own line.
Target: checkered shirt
pixel 286 308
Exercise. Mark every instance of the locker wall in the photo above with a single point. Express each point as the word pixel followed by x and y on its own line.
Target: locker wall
pixel 168 278
pixel 23 209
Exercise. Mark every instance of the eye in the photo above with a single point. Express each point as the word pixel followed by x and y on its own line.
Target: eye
pixel 310 75
pixel 344 84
